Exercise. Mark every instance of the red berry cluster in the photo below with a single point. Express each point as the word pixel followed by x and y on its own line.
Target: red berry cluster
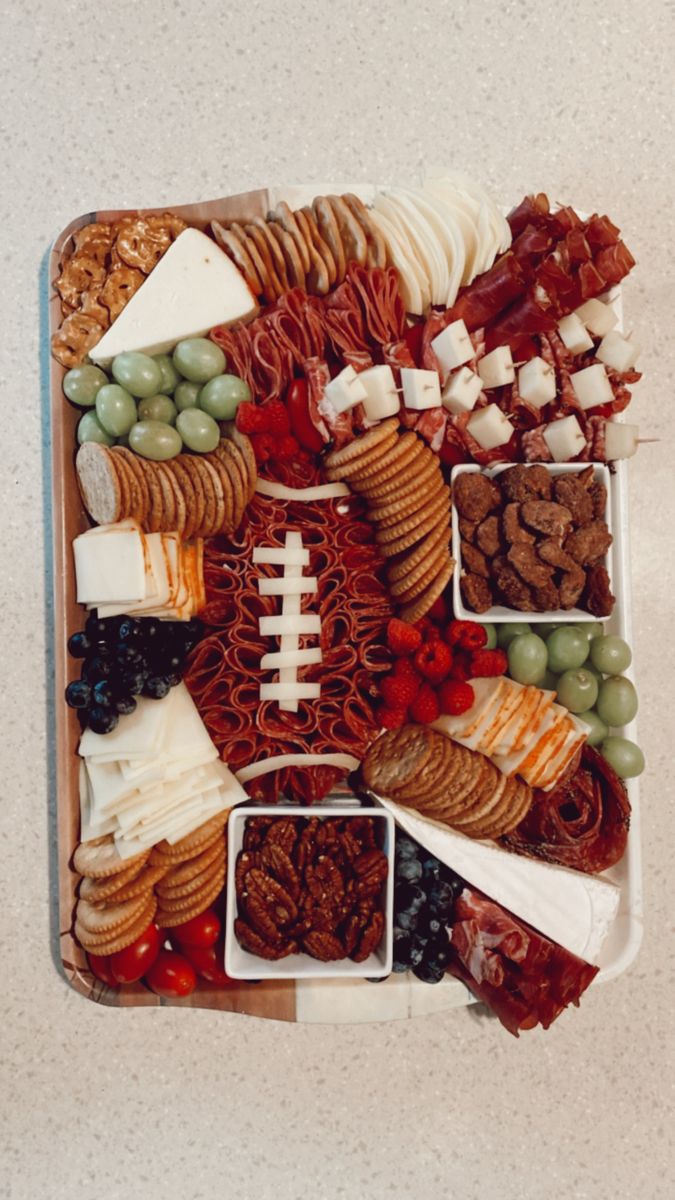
pixel 269 428
pixel 434 660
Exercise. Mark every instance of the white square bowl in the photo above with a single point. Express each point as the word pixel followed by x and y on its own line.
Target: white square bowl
pixel 239 964
pixel 499 614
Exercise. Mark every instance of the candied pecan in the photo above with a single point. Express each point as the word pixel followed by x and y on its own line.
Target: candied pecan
pixel 371 868
pixel 476 593
pixel 552 552
pixel 324 946
pixel 586 476
pixel 517 483
pixel 548 517
pixel 467 529
pixel 363 828
pixel 324 880
pixel 528 564
pixel 326 834
pixel 474 560
pixel 305 847
pixel 512 528
pixel 474 495
pixel 546 598
pixel 350 844
pixel 283 832
pixel 588 545
pixel 487 536
pixel 279 901
pixel 540 480
pixel 261 919
pixel 597 595
pixel 572 585
pixel 246 859
pixel 598 495
pixel 570 491
pixel 255 944
pixel 370 938
pixel 276 860
pixel 516 593
pixel 352 930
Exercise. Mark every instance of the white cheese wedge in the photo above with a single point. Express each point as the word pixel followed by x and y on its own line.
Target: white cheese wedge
pixel 345 391
pixel 564 438
pixel 109 569
pixel 536 382
pixel 303 585
pixel 591 386
pixel 490 427
pixel 621 441
pixel 617 351
pixel 599 318
pixel 461 391
pixel 453 346
pixel 381 399
pixel 570 908
pixel 193 287
pixel 574 334
pixel 496 369
pixel 421 389
pixel 281 556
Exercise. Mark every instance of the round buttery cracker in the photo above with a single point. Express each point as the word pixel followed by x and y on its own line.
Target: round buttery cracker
pixel 436 502
pixel 106 944
pixel 363 445
pixel 397 509
pixel 168 919
pixel 114 917
pixel 196 841
pixel 396 757
pixel 425 468
pixel 440 534
pixel 100 858
pixel 417 608
pixel 182 872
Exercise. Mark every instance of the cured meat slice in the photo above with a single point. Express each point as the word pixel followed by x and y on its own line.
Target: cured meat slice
pixel 483 299
pixel 528 315
pixel 522 976
pixel 532 209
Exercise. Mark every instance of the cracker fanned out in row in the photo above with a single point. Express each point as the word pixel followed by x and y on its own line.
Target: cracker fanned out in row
pixel 199 495
pixel 422 769
pixel 400 479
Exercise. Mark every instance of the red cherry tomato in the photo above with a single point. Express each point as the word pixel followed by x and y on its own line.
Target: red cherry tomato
pixel 171 975
pixel 131 964
pixel 297 404
pixel 203 930
pixel 208 963
pixel 100 966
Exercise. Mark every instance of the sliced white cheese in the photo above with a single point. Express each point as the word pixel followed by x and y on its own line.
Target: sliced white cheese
pixel 291 658
pixel 621 441
pixel 303 585
pixel 300 624
pixel 193 287
pixel 281 556
pixel 461 391
pixel 322 491
pixel 111 568
pixel 290 691
pixel 346 762
pixel 570 908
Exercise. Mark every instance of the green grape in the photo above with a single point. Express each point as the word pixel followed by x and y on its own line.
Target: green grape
pixel 509 630
pixel 590 629
pixel 588 666
pixel 597 729
pixel 491 637
pixel 567 649
pixel 622 754
pixel 186 395
pixel 611 654
pixel 89 429
pixel 116 409
pixel 577 690
pixel 221 396
pixel 548 681
pixel 138 373
pixel 527 658
pixel 155 440
pixel 82 383
pixel 199 359
pixel 546 627
pixel 170 376
pixel 617 701
pixel 198 430
pixel 157 408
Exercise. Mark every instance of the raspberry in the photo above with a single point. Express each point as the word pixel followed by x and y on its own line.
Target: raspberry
pixel 433 661
pixel 398 692
pixel 402 638
pixel 438 611
pixel 455 697
pixel 264 446
pixel 276 419
pixel 404 668
pixel 428 630
pixel 470 635
pixel 461 666
pixel 287 447
pixel 488 662
pixel 425 707
pixel 250 418
pixel 390 718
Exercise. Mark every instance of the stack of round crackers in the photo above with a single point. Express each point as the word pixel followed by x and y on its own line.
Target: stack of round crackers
pixel 197 495
pixel 401 480
pixel 309 248
pixel 427 771
pixel 193 872
pixel 116 901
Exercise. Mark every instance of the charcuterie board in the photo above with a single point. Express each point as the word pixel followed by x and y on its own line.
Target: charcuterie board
pixel 310 508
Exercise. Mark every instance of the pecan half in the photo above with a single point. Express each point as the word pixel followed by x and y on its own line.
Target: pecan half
pixel 370 938
pixel 284 833
pixel 324 946
pixel 246 859
pixel 251 941
pixel 279 863
pixel 260 918
pixel 280 903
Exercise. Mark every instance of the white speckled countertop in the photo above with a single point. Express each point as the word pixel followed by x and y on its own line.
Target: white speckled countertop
pixel 160 101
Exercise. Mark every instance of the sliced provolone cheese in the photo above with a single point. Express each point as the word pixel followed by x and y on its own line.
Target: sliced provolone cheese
pixel 109 569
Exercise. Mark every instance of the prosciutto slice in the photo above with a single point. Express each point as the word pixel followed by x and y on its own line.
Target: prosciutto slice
pixel 524 978
pixel 485 298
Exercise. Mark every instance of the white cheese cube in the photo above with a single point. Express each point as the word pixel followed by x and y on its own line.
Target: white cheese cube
pixel 536 382
pixel 490 427
pixel 617 351
pixel 592 387
pixel 574 334
pixel 598 318
pixel 110 569
pixel 621 441
pixel 421 389
pixel 453 346
pixel 496 368
pixel 564 439
pixel 345 391
pixel 381 395
pixel 461 391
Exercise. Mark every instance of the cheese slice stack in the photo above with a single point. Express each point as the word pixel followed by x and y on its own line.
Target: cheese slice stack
pixel 156 776
pixel 519 728
pixel 120 569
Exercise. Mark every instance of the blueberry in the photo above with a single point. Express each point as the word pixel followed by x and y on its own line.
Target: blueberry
pixel 128 630
pixel 376 978
pixel 98 667
pixel 442 898
pixel 127 655
pixel 125 704
pixel 104 694
pixel 408 897
pixel 407 920
pixel 451 877
pixel 429 923
pixel 406 848
pixel 173 679
pixel 418 946
pixel 157 687
pixel 96 630
pixel 131 681
pixel 151 629
pixel 431 869
pixel 438 950
pixel 192 631
pixel 79 645
pixel 409 869
pixel 78 694
pixel 429 972
pixel 402 942
pixel 102 720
